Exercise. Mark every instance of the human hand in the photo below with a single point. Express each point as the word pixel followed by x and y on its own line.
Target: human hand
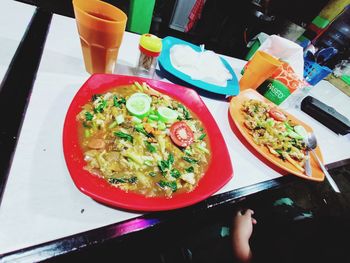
pixel 242 228
pixel 242 225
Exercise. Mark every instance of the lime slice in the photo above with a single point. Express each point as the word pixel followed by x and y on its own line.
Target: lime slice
pixel 140 94
pixel 139 105
pixel 301 131
pixel 167 115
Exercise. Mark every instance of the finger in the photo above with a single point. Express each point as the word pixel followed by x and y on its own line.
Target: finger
pixel 238 213
pixel 250 211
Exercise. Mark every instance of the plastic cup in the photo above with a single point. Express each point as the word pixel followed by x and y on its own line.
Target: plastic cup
pixel 101 28
pixel 258 69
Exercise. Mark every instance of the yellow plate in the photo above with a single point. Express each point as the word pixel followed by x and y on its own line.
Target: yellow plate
pixel 238 119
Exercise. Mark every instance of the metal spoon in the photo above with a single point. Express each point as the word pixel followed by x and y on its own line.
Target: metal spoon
pixel 312 144
pixel 307 166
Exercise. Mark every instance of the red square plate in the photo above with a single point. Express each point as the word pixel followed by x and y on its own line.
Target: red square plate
pixel 219 171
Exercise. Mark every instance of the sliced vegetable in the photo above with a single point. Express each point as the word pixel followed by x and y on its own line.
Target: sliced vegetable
pixel 294 135
pixel 148 163
pixel 189 160
pixel 301 131
pixel 138 105
pixel 138 85
pixel 112 125
pixel 181 134
pixel 189 178
pixel 119 119
pixel 153 117
pixel 143 95
pixel 277 115
pixel 166 115
pixel 161 126
pixel 87 133
pixel 123 180
pixel 202 148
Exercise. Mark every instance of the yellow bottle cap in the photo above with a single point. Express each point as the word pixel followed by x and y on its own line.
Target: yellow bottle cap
pixel 150 43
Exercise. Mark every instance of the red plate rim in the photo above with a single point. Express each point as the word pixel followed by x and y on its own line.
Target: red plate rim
pixel 219 172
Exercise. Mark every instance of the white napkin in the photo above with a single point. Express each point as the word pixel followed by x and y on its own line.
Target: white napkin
pixel 285 50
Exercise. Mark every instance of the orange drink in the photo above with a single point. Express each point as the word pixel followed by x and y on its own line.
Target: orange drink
pixel 258 69
pixel 101 27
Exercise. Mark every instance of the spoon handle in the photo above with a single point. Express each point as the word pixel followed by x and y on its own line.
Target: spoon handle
pixel 328 176
pixel 307 166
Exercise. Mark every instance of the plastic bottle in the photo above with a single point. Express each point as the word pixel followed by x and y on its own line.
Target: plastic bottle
pixel 150 47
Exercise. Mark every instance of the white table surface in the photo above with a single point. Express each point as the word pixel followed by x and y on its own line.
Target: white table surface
pixel 41 202
pixel 14 19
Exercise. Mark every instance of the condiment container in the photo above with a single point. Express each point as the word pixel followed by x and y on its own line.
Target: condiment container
pixel 150 47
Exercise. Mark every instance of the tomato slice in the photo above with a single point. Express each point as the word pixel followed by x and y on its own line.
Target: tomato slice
pixel 181 134
pixel 277 115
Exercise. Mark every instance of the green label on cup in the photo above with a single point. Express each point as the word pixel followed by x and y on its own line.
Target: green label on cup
pixel 274 90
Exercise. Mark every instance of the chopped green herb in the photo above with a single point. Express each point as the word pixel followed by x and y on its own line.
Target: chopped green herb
pixel 187 152
pixel 123 180
pixel 202 136
pixel 150 147
pixel 88 116
pixel 124 136
pixel 140 129
pixel 190 169
pixel 171 185
pixel 118 102
pixel 100 107
pixel 189 160
pixel 187 114
pixel 163 166
pixel 170 159
pixel 175 173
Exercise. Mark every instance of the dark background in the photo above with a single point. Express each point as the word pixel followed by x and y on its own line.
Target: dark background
pixel 225 25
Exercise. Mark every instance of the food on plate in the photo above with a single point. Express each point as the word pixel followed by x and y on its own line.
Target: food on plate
pixel 272 129
pixel 205 66
pixel 143 141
